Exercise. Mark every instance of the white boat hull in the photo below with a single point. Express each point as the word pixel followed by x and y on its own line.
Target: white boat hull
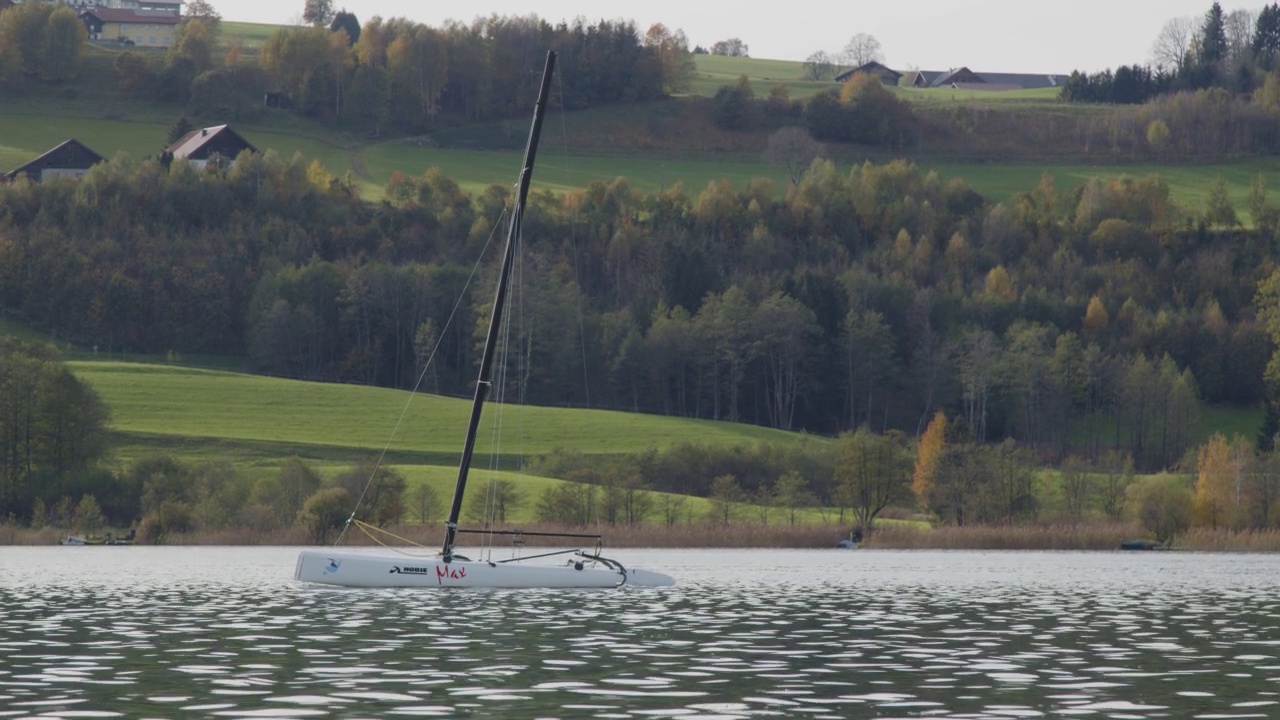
pixel 355 568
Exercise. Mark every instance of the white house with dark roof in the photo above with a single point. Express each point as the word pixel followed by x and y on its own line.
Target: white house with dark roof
pixel 218 144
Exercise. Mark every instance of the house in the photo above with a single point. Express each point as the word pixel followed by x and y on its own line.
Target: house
pixel 886 75
pixel 144 28
pixel 70 159
pixel 219 144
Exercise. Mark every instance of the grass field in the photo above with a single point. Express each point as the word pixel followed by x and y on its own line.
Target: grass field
pixel 222 411
pixel 256 423
pixel 1189 184
pixel 24 136
pixel 251 36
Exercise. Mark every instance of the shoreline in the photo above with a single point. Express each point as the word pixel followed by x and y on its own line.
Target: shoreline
pixel 1092 537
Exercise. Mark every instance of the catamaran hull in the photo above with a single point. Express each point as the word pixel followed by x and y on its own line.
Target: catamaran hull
pixel 373 569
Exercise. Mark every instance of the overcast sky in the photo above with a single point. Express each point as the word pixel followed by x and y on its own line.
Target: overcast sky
pixel 984 35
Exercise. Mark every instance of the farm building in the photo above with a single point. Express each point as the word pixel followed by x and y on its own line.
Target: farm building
pixel 218 144
pixel 887 75
pixel 128 26
pixel 964 78
pixel 71 158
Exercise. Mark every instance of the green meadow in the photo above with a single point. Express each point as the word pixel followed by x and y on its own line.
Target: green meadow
pixel 206 415
pixel 251 36
pixel 562 168
pixel 255 423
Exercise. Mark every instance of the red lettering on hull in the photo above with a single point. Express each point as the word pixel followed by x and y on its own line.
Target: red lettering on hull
pixel 446 572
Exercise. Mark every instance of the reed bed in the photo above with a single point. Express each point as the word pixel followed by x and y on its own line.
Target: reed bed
pixel 1223 540
pixel 1102 536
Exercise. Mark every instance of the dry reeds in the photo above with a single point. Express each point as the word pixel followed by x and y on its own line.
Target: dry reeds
pixel 1223 540
pixel 1102 536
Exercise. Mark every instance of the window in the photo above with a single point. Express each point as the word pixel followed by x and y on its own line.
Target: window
pixel 152 39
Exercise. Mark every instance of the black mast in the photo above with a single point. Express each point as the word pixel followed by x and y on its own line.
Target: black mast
pixel 486 360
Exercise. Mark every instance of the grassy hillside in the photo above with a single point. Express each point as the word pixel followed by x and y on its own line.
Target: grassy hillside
pixel 563 168
pixel 208 414
pixel 255 423
pixel 653 145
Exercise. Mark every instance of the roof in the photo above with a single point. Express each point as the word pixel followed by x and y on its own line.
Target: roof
pixel 1024 80
pixel 986 86
pixel 959 75
pixel 122 15
pixel 192 143
pixel 50 158
pixel 871 68
pixel 941 78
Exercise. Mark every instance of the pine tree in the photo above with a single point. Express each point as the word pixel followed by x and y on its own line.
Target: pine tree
pixel 180 127
pixel 1270 426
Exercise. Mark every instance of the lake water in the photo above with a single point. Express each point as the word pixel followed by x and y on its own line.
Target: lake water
pixel 144 632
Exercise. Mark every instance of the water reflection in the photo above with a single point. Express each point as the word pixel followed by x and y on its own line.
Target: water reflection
pixel 159 632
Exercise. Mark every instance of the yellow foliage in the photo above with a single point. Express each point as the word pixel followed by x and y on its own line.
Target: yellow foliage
pixel 929 451
pixel 999 285
pixel 319 177
pixel 1220 470
pixel 1096 319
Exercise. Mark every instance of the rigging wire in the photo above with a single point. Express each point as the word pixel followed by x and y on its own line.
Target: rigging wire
pixel 573 242
pixel 515 284
pixel 373 474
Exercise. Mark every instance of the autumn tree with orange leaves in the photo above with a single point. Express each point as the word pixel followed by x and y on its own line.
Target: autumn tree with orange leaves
pixel 929 452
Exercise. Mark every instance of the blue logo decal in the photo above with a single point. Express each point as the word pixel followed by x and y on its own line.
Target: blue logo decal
pixel 332 567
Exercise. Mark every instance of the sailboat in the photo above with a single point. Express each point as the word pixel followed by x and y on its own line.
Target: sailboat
pixel 390 567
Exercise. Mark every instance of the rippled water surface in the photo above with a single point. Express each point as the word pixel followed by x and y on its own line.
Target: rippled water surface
pixel 225 632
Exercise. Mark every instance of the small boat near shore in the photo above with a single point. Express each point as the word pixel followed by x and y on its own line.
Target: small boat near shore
pixel 1142 545
pixel 109 539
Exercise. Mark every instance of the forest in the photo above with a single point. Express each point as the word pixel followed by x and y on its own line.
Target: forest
pixel 1096 317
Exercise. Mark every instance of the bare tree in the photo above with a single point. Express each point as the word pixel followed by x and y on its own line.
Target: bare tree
pixel 1169 51
pixel 1239 26
pixel 794 147
pixel 820 66
pixel 862 49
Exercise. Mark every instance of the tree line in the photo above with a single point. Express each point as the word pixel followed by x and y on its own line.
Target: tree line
pixel 407 77
pixel 52 430
pixel 1233 51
